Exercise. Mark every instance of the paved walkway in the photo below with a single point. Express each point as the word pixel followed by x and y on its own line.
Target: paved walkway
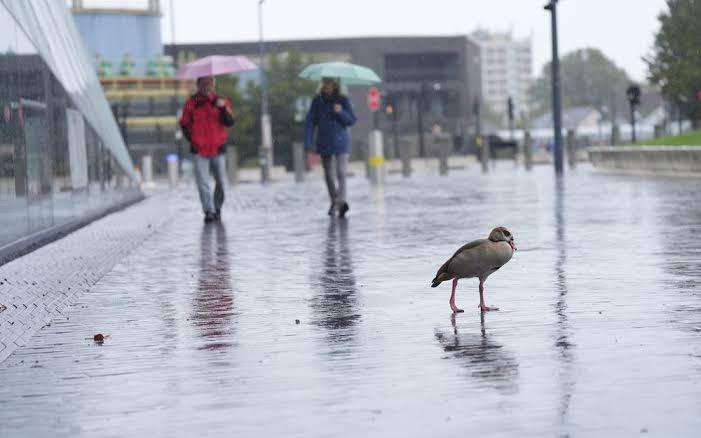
pixel 598 333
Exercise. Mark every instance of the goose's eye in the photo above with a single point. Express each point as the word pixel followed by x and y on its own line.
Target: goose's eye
pixel 507 234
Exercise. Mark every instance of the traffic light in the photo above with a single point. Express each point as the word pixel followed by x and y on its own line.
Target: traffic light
pixel 633 94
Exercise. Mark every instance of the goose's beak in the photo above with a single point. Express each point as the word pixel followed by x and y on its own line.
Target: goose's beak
pixel 513 244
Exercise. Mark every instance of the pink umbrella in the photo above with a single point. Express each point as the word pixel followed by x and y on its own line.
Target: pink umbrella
pixel 215 65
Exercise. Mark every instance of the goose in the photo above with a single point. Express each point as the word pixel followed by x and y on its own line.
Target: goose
pixel 479 258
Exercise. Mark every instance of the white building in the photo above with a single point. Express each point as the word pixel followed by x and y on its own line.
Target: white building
pixel 506 71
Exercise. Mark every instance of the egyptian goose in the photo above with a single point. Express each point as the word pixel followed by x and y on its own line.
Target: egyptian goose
pixel 479 258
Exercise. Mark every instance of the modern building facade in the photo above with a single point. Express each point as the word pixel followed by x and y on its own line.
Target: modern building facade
pixel 427 81
pixel 506 72
pixel 62 158
pixel 137 78
pixel 123 38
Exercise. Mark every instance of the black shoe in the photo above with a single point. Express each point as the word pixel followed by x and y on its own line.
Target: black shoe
pixel 208 217
pixel 217 216
pixel 343 210
pixel 332 208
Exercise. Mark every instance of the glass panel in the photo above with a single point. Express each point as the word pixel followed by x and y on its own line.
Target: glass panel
pixel 55 166
pixel 39 203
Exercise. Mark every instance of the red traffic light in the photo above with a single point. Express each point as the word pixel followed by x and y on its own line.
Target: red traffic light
pixel 373 99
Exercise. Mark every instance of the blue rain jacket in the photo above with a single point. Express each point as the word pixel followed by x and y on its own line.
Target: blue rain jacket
pixel 332 136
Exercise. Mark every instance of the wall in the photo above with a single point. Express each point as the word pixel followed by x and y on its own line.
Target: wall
pixel 660 160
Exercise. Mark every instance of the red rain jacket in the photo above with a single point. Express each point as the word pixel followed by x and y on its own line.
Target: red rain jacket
pixel 202 124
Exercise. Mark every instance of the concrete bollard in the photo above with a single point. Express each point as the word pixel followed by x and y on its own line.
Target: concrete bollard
pixel 232 164
pixel 172 162
pixel 405 157
pixel 147 169
pixel 528 151
pixel 571 149
pixel 442 144
pixel 484 153
pixel 376 157
pixel 298 161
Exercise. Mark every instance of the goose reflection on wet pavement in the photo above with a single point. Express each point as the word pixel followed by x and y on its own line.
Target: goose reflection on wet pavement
pixel 485 359
pixel 213 304
pixel 335 304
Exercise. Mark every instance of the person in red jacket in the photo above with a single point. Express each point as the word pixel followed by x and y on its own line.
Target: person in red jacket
pixel 204 123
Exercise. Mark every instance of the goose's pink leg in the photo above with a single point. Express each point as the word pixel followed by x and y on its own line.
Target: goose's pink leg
pixel 482 306
pixel 453 307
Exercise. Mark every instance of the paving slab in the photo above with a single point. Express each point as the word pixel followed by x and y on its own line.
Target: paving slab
pixel 283 322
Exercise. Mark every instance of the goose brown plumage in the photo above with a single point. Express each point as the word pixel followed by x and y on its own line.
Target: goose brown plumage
pixel 480 259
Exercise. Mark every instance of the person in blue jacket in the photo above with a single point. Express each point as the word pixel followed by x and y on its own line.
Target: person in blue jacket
pixel 332 115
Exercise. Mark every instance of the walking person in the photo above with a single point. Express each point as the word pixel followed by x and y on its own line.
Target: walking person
pixel 332 115
pixel 204 123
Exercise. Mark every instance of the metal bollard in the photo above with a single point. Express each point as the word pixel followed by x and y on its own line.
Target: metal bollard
pixel 615 135
pixel 484 153
pixel 405 157
pixel 376 158
pixel 571 149
pixel 147 169
pixel 443 145
pixel 172 162
pixel 232 164
pixel 298 161
pixel 528 151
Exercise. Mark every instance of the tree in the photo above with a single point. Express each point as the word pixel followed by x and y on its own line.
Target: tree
pixel 284 88
pixel 243 133
pixel 589 78
pixel 675 64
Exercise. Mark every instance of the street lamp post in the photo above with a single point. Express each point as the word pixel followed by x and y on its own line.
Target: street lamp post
pixel 557 98
pixel 266 148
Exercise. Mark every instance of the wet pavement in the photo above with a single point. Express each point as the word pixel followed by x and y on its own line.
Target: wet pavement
pixel 598 333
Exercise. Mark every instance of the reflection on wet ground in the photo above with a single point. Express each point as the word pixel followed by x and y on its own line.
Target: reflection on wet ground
pixel 484 358
pixel 335 305
pixel 283 322
pixel 213 305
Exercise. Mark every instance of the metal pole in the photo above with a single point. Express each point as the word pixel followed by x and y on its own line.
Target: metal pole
pixel 172 25
pixel 632 123
pixel 420 121
pixel 175 85
pixel 261 55
pixel 557 99
pixel 265 152
pixel 510 106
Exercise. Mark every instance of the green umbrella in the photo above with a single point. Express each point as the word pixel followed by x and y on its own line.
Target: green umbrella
pixel 350 74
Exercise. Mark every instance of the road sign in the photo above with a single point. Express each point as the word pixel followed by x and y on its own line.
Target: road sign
pixel 373 99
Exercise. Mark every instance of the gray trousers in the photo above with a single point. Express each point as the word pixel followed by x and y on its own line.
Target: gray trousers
pixel 337 195
pixel 217 165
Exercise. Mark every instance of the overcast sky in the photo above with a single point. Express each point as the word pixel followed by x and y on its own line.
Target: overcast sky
pixel 622 29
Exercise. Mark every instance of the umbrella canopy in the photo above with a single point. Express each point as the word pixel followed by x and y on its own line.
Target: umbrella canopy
pixel 215 65
pixel 350 74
